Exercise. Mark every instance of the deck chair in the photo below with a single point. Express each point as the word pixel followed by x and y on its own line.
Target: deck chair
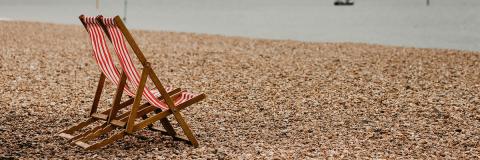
pixel 170 105
pixel 108 70
pixel 163 106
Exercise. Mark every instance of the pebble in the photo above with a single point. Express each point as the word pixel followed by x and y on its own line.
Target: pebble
pixel 266 99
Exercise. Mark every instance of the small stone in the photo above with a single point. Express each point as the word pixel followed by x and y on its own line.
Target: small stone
pixel 266 99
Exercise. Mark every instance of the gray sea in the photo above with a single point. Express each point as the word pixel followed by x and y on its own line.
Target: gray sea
pixel 451 24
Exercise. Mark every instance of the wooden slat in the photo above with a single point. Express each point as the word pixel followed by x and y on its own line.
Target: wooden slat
pixel 120 106
pixel 82 144
pixel 194 100
pixel 89 121
pixel 74 128
pixel 125 104
pixel 107 141
pixel 173 92
pixel 151 120
pixel 118 123
pixel 144 109
pixel 100 116
pixel 98 133
pixel 66 135
pixel 98 93
pixel 87 132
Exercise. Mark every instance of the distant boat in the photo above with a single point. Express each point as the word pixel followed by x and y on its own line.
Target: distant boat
pixel 343 3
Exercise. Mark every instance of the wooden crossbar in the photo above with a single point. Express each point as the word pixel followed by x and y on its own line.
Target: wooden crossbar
pixel 121 123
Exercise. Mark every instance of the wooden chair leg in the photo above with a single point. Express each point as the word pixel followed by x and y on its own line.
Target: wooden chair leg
pixel 168 127
pixel 185 128
pixel 136 102
pixel 118 97
pixel 150 126
pixel 101 82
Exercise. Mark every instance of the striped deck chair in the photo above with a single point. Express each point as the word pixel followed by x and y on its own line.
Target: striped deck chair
pixel 108 70
pixel 118 32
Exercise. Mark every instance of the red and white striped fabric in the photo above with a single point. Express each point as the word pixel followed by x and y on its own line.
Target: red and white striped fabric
pixel 121 51
pixel 102 55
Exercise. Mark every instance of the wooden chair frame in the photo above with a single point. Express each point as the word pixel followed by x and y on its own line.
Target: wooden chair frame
pixel 127 120
pixel 147 72
pixel 110 114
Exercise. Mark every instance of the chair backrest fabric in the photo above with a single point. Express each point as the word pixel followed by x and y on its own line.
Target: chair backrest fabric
pixel 121 50
pixel 101 54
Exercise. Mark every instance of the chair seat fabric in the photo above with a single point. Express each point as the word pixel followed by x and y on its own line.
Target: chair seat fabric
pixel 182 98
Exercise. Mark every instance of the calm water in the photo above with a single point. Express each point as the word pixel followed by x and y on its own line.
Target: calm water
pixel 443 24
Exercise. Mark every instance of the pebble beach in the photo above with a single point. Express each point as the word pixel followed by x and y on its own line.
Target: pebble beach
pixel 266 99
